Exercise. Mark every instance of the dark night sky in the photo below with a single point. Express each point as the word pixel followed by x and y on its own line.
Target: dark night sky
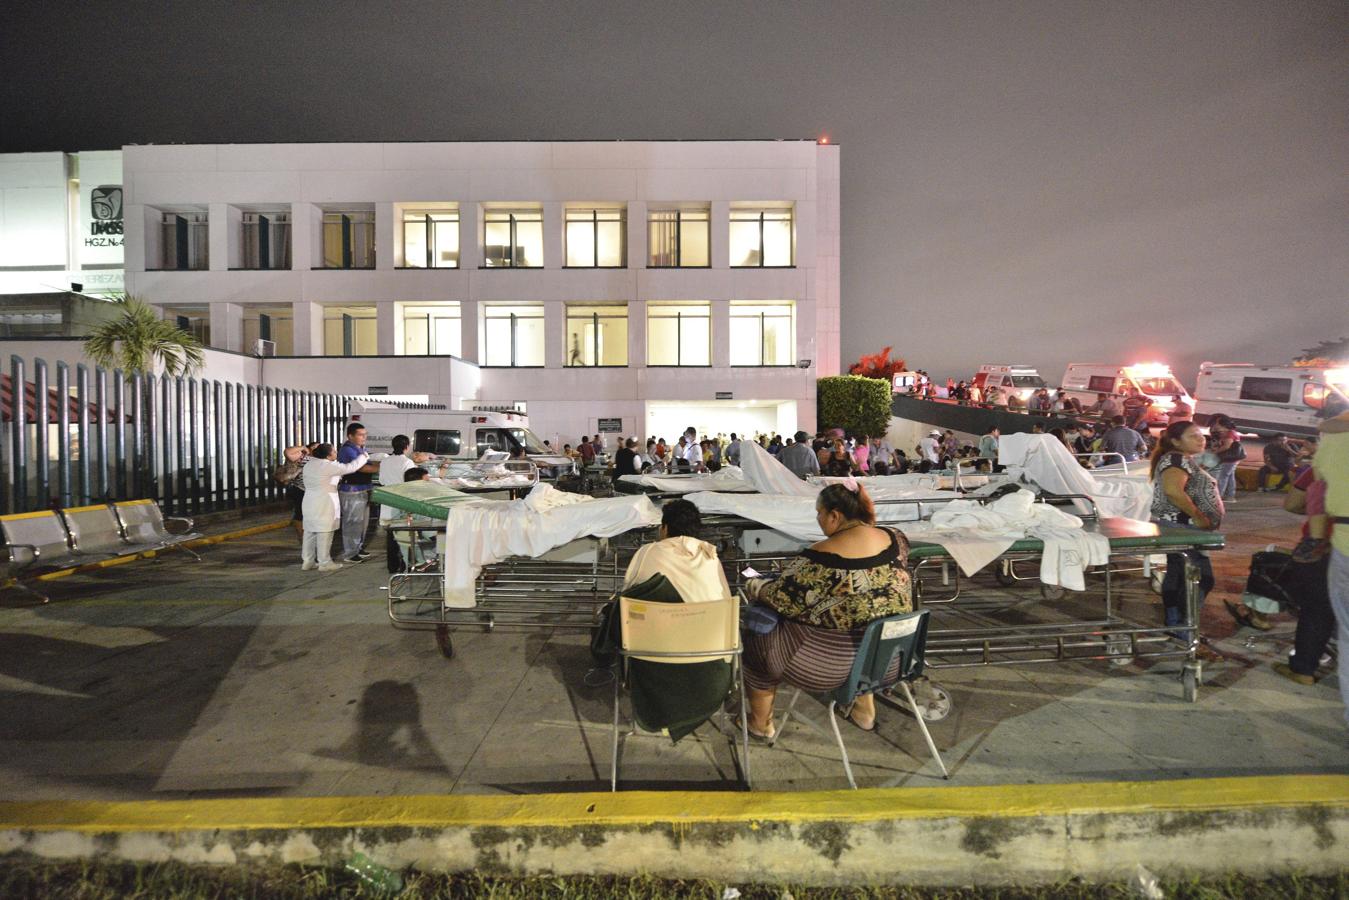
pixel 1022 182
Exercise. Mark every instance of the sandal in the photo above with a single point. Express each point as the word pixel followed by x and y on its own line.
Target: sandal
pixel 845 713
pixel 1244 615
pixel 765 738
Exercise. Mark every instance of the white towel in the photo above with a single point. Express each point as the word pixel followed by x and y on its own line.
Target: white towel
pixel 1067 554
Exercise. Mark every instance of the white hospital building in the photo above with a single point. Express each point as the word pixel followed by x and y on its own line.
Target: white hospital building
pixel 628 287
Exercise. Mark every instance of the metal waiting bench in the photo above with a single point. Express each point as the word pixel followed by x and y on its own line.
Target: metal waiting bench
pixel 53 539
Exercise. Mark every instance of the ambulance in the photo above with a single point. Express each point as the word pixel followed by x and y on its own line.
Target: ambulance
pixel 1154 380
pixel 458 434
pixel 1020 380
pixel 1268 399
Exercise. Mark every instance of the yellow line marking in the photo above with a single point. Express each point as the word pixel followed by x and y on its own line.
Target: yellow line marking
pixel 132 502
pixel 75 509
pixel 14 517
pixel 150 554
pixel 682 807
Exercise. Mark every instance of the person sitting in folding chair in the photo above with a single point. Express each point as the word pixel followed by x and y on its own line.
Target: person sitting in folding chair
pixel 678 568
pixel 824 598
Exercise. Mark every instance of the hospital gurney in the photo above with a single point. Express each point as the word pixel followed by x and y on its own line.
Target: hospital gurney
pixel 563 586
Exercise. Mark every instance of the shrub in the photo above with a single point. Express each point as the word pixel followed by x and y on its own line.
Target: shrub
pixel 857 405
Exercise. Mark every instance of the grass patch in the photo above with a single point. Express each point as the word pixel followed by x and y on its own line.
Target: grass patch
pixel 97 881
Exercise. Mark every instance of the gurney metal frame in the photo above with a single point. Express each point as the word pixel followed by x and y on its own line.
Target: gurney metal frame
pixel 562 589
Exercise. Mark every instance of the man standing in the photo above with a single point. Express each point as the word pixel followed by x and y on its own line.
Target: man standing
pixel 391 470
pixel 626 460
pixel 799 458
pixel 1332 467
pixel 988 447
pixel 1123 440
pixel 353 492
pixel 1278 461
pixel 692 453
pixel 587 450
pixel 929 448
pixel 1136 408
pixel 733 451
pixel 1180 410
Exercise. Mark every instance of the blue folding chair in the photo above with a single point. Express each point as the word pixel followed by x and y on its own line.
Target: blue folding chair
pixel 904 635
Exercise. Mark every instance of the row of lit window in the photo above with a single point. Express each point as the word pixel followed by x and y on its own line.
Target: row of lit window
pixel 595 238
pixel 596 334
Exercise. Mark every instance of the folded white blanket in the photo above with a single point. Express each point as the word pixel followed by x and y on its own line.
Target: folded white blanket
pixel 727 478
pixel 975 534
pixel 1067 554
pixel 482 532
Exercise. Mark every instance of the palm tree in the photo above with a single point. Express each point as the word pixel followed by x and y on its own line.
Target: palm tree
pixel 139 340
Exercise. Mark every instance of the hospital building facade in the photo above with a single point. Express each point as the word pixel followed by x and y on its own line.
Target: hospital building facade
pixel 622 287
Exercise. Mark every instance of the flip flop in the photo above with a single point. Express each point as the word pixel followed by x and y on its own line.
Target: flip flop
pixel 846 715
pixel 768 738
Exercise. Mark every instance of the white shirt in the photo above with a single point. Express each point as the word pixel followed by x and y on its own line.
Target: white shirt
pixel 391 470
pixel 929 448
pixel 693 454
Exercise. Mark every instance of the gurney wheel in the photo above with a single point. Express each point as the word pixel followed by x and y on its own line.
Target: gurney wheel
pixel 1005 574
pixel 1052 591
pixel 443 641
pixel 1119 652
pixel 1189 679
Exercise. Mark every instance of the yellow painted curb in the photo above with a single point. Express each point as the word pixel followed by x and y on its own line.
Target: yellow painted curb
pixel 681 807
pixel 150 554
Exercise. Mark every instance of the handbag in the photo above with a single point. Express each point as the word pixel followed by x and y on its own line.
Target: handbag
pixel 759 619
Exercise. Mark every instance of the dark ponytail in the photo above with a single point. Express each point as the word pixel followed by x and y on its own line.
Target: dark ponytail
pixel 1168 442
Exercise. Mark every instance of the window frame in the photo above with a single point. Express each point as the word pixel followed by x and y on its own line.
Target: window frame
pixel 419 444
pixel 515 337
pixel 595 220
pixel 594 317
pixel 431 318
pixel 514 218
pixel 193 225
pixel 762 213
pixel 423 217
pixel 1094 387
pixel 1262 383
pixel 679 336
pixel 790 316
pixel 256 232
pixel 706 221
pixel 349 219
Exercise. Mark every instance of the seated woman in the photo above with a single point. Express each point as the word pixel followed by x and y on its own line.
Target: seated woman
pixel 675 696
pixel 689 564
pixel 825 598
pixel 839 463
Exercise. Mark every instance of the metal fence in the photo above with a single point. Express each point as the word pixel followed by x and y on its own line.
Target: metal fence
pixel 193 445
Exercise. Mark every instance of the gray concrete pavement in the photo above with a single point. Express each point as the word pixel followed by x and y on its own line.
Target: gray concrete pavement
pixel 243 676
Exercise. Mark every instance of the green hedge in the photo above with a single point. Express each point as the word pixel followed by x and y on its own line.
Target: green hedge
pixel 856 404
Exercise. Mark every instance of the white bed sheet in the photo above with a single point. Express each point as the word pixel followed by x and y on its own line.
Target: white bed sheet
pixel 482 532
pixel 1042 460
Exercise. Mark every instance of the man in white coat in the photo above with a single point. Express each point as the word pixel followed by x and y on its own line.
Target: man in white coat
pixel 322 510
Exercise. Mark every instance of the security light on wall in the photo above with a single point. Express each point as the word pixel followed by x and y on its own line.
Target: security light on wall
pixel 803 364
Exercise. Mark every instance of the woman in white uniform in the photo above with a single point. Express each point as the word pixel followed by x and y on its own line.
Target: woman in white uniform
pixel 321 508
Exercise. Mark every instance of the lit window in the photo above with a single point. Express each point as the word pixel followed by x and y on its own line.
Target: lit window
pixel 761 237
pixel 761 335
pixel 266 240
pixel 185 241
pixel 195 320
pixel 274 323
pixel 349 240
pixel 597 335
pixel 431 329
pixel 513 238
pixel 678 238
pixel 513 335
pixel 679 334
pixel 595 238
pixel 431 239
pixel 349 331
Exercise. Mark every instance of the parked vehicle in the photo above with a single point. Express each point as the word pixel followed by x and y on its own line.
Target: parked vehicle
pixel 459 434
pixel 1155 380
pixel 1267 399
pixel 1020 380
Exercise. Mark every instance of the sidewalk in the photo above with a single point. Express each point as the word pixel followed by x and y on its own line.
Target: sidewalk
pixel 242 676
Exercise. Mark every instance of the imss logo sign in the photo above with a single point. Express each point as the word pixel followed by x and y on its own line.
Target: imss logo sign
pixel 105 207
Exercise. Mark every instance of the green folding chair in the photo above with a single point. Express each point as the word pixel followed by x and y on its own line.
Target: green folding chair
pixel 904 635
